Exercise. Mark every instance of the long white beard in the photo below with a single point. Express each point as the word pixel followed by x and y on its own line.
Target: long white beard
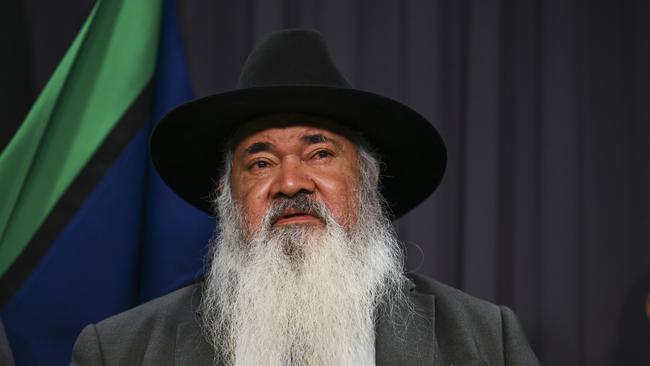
pixel 299 294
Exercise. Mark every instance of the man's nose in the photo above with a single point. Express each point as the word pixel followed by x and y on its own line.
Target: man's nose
pixel 292 178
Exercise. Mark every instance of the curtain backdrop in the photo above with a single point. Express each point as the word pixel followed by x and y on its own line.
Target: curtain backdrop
pixel 545 109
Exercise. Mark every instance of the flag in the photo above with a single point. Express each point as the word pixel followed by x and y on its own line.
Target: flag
pixel 87 228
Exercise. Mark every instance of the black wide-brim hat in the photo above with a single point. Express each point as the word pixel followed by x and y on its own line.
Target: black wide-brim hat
pixel 291 71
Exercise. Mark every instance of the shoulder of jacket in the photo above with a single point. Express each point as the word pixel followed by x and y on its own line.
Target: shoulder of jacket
pixel 179 305
pixel 466 326
pixel 453 298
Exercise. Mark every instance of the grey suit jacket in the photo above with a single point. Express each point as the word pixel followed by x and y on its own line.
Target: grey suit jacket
pixel 449 328
pixel 6 358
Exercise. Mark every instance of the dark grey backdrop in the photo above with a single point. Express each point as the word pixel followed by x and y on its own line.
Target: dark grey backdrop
pixel 545 109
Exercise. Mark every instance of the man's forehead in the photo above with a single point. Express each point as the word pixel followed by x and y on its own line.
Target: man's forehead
pixel 303 128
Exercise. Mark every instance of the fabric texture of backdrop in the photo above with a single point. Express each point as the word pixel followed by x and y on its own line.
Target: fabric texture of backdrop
pixel 545 108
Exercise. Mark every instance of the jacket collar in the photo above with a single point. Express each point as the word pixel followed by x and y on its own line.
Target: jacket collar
pixel 191 347
pixel 407 337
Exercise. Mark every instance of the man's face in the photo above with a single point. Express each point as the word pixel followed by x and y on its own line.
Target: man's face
pixel 282 162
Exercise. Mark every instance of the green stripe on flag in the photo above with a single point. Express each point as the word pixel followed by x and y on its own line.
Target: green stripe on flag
pixel 107 66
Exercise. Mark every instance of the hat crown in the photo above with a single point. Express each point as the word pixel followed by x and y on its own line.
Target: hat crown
pixel 291 57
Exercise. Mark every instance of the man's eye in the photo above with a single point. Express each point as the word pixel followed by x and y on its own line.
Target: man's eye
pixel 322 154
pixel 260 164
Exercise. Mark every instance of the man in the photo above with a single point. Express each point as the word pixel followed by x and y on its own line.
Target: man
pixel 305 269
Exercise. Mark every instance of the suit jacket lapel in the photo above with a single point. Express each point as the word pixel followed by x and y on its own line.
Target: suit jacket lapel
pixel 191 347
pixel 408 338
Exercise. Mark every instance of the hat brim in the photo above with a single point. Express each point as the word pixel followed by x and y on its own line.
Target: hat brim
pixel 188 144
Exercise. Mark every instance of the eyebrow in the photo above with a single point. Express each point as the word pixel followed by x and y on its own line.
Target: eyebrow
pixel 317 139
pixel 257 147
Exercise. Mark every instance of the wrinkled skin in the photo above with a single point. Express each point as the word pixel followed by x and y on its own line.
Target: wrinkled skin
pixel 298 158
